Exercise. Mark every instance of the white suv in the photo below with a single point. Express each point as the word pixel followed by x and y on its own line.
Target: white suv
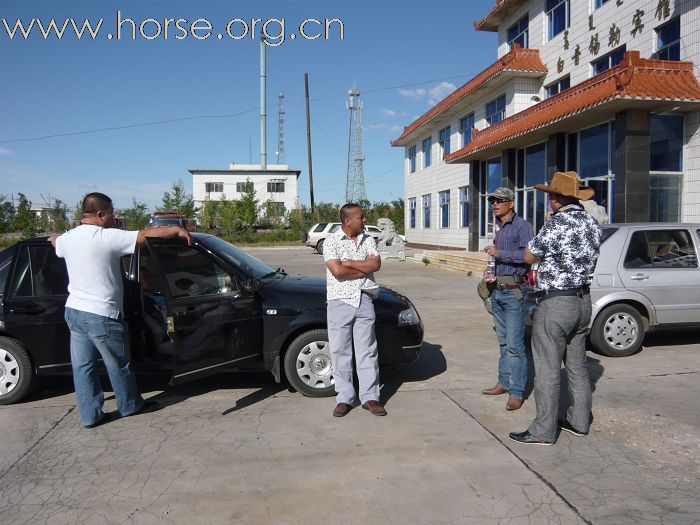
pixel 318 233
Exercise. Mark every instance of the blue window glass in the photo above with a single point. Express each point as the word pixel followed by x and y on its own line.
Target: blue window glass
pixel 426 211
pixel 444 197
pixel 464 207
pixel 668 41
pixel 493 174
pixel 599 3
pixel 666 148
pixel 465 128
pixel 610 60
pixel 412 159
pixel 665 197
pixel 496 110
pixel 445 140
pixel 427 144
pixel 412 213
pixel 594 155
pixel 558 86
pixel 518 33
pixel 535 165
pixel 558 17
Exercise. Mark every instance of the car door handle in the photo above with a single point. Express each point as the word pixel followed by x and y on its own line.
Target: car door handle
pixel 28 309
pixel 639 277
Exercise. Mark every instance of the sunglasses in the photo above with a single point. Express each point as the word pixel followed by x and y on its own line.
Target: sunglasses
pixel 499 201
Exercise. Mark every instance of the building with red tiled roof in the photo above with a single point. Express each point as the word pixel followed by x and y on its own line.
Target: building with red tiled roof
pixel 606 88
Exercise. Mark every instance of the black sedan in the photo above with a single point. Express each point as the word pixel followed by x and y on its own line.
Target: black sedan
pixel 192 311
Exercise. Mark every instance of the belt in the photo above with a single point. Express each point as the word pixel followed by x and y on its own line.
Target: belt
pixel 501 287
pixel 542 295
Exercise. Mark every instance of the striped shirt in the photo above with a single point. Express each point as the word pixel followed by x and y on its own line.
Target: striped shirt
pixel 511 240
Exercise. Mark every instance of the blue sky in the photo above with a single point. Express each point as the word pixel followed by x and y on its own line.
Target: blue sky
pixel 404 56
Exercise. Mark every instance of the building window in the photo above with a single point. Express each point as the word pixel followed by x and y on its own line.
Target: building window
pixel 464 207
pixel 607 61
pixel 412 213
pixel 427 144
pixel 275 187
pixel 242 187
pixel 426 211
pixel 496 110
pixel 445 140
pixel 275 209
pixel 665 197
pixel 557 87
pixel 214 187
pixel 489 180
pixel 668 41
pixel 444 197
pixel 599 3
pixel 558 17
pixel 412 159
pixel 466 125
pixel 518 33
pixel 666 148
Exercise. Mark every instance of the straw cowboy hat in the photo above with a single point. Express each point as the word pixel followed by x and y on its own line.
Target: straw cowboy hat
pixel 567 183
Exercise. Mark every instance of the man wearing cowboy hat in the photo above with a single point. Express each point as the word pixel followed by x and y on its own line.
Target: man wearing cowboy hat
pixel 567 248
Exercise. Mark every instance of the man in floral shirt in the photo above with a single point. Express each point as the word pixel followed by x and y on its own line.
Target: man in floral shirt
pixel 351 259
pixel 567 248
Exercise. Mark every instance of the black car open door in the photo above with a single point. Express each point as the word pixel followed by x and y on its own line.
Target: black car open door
pixel 211 323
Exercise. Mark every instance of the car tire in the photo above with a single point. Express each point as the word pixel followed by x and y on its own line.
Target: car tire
pixel 17 376
pixel 307 364
pixel 618 331
pixel 319 246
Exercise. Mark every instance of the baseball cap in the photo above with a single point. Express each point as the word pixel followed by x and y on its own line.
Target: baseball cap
pixel 505 194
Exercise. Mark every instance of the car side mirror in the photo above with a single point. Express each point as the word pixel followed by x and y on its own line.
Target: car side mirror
pixel 250 285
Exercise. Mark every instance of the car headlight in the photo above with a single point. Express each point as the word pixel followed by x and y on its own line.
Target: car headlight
pixel 408 317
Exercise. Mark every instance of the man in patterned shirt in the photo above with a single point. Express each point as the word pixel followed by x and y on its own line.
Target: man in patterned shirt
pixel 567 248
pixel 351 258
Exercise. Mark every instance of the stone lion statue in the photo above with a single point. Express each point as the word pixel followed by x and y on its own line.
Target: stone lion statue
pixel 390 243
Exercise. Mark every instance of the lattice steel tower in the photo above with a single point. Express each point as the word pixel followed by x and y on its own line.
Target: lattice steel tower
pixel 355 179
pixel 280 131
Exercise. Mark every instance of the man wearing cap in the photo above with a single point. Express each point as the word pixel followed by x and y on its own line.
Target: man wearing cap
pixel 567 247
pixel 508 298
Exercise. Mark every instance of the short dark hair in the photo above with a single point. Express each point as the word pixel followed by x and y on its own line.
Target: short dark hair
pixel 95 201
pixel 345 210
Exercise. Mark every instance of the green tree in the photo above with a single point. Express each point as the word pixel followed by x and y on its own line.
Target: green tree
pixel 179 201
pixel 227 219
pixel 57 216
pixel 25 220
pixel 137 216
pixel 247 206
pixel 209 212
pixel 78 215
pixel 7 214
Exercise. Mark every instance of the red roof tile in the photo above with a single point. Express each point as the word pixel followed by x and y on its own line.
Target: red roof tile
pixel 490 22
pixel 517 60
pixel 634 78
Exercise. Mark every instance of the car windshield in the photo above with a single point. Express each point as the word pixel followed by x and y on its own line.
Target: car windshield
pixel 249 264
pixel 165 222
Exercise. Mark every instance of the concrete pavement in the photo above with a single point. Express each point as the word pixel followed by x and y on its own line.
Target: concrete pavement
pixel 238 448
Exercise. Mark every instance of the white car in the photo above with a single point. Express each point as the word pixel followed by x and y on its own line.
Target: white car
pixel 318 233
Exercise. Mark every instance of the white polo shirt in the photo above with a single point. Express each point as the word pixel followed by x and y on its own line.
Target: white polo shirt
pixel 93 257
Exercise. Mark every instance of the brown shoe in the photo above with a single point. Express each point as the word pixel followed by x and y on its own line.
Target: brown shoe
pixel 341 409
pixel 494 390
pixel 514 403
pixel 374 408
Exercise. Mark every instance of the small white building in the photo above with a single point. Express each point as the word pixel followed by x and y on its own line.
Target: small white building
pixel 277 184
pixel 607 88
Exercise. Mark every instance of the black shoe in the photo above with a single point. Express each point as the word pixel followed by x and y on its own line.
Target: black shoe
pixel 528 439
pixel 106 418
pixel 566 427
pixel 146 408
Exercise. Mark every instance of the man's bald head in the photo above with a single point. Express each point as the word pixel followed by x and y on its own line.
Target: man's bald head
pixel 94 202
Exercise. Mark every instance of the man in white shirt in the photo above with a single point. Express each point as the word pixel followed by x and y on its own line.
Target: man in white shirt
pixel 351 258
pixel 94 309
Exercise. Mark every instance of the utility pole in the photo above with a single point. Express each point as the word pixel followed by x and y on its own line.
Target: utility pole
pixel 308 140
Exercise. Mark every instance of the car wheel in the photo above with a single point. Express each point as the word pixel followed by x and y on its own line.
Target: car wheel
pixel 307 364
pixel 618 331
pixel 16 375
pixel 319 246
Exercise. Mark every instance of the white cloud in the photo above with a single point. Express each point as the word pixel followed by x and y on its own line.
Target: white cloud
pixel 395 129
pixel 5 152
pixel 440 91
pixel 413 94
pixel 376 126
pixel 387 113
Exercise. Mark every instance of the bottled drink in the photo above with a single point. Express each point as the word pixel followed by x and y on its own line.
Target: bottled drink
pixel 490 271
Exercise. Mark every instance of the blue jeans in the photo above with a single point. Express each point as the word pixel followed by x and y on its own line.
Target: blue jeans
pixel 509 319
pixel 93 336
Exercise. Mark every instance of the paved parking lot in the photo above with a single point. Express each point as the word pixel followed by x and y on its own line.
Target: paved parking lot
pixel 239 448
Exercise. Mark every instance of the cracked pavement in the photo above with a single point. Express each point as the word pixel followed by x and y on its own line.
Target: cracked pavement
pixel 237 448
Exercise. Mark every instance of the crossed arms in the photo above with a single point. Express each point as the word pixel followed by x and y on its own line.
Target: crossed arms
pixel 354 269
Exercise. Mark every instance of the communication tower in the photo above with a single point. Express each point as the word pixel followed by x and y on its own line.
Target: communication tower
pixel 355 179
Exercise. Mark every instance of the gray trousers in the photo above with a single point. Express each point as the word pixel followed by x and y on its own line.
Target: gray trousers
pixel 350 327
pixel 559 325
